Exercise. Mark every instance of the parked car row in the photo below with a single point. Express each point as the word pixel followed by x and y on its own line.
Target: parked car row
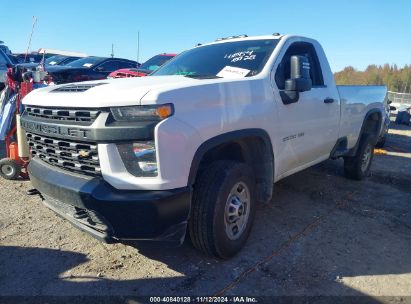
pixel 89 68
pixel 51 61
pixel 64 69
pixel 5 63
pixel 145 69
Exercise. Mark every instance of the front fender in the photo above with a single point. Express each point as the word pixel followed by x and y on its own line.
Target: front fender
pixel 176 143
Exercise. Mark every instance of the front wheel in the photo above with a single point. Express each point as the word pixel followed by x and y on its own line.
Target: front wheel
pixel 222 208
pixel 358 166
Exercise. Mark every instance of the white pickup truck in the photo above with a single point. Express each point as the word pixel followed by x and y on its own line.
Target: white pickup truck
pixel 197 145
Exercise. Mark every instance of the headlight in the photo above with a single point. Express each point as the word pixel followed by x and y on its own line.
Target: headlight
pixel 139 158
pixel 141 113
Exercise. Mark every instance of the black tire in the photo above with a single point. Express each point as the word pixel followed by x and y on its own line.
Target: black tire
pixel 207 224
pixel 381 141
pixel 9 169
pixel 358 166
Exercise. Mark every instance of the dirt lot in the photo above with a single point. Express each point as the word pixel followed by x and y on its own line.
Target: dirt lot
pixel 321 235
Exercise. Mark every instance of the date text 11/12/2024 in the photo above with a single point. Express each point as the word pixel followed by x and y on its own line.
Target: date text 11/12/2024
pixel 204 299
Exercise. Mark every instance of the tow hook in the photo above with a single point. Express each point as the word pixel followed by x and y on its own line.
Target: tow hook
pixel 34 192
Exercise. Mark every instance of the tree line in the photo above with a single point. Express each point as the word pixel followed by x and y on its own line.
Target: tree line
pixel 396 79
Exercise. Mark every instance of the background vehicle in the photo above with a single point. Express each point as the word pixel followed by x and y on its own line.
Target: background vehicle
pixel 395 107
pixel 56 60
pixel 145 69
pixel 198 144
pixel 89 68
pixel 4 64
pixel 60 60
pixel 403 115
pixel 30 58
pixel 4 48
pixel 13 59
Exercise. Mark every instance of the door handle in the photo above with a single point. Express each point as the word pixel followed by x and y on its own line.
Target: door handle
pixel 329 100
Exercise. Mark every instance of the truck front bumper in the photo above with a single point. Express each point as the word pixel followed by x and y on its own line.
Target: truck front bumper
pixel 112 215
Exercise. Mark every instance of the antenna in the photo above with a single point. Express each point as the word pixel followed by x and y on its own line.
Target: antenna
pixel 112 50
pixel 31 35
pixel 138 46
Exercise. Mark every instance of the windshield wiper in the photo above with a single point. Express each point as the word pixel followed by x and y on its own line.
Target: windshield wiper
pixel 202 76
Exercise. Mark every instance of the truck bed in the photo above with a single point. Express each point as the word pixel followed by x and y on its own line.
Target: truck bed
pixel 356 101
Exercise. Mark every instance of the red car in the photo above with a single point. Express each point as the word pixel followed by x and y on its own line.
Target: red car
pixel 143 70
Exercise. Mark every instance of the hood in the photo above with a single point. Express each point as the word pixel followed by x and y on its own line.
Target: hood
pixel 105 93
pixel 62 68
pixel 66 74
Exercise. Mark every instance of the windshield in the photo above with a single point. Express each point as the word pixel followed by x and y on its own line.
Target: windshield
pixel 4 59
pixel 244 58
pixel 87 62
pixel 5 49
pixel 13 59
pixel 53 60
pixel 155 62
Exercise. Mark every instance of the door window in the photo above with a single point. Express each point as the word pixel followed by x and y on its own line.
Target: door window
pixel 303 49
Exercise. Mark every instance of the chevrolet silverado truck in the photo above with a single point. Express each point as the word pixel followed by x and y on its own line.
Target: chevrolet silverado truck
pixel 195 147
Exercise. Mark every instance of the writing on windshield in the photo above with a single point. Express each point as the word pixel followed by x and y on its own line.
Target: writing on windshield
pixel 210 60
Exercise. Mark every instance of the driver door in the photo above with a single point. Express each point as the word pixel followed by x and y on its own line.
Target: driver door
pixel 308 127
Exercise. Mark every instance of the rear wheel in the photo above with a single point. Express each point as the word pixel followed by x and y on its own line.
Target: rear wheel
pixel 358 166
pixel 223 208
pixel 381 141
pixel 9 169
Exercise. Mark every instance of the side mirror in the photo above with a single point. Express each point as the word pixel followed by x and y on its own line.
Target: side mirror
pixel 299 81
pixel 100 69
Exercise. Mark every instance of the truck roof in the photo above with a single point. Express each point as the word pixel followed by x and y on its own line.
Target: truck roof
pixel 275 36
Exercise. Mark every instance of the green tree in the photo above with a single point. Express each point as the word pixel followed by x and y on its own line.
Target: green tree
pixel 395 78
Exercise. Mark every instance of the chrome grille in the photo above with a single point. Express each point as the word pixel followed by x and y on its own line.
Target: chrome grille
pixel 83 115
pixel 73 156
pixel 77 87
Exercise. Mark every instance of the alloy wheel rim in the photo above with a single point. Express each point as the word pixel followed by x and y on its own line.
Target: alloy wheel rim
pixel 237 211
pixel 366 158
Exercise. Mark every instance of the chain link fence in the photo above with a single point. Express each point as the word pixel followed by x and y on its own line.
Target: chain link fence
pixel 401 98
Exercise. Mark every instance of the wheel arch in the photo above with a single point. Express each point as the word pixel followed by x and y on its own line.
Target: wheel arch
pixel 372 125
pixel 252 146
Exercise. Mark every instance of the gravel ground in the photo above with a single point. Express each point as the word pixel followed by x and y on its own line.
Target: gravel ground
pixel 321 235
